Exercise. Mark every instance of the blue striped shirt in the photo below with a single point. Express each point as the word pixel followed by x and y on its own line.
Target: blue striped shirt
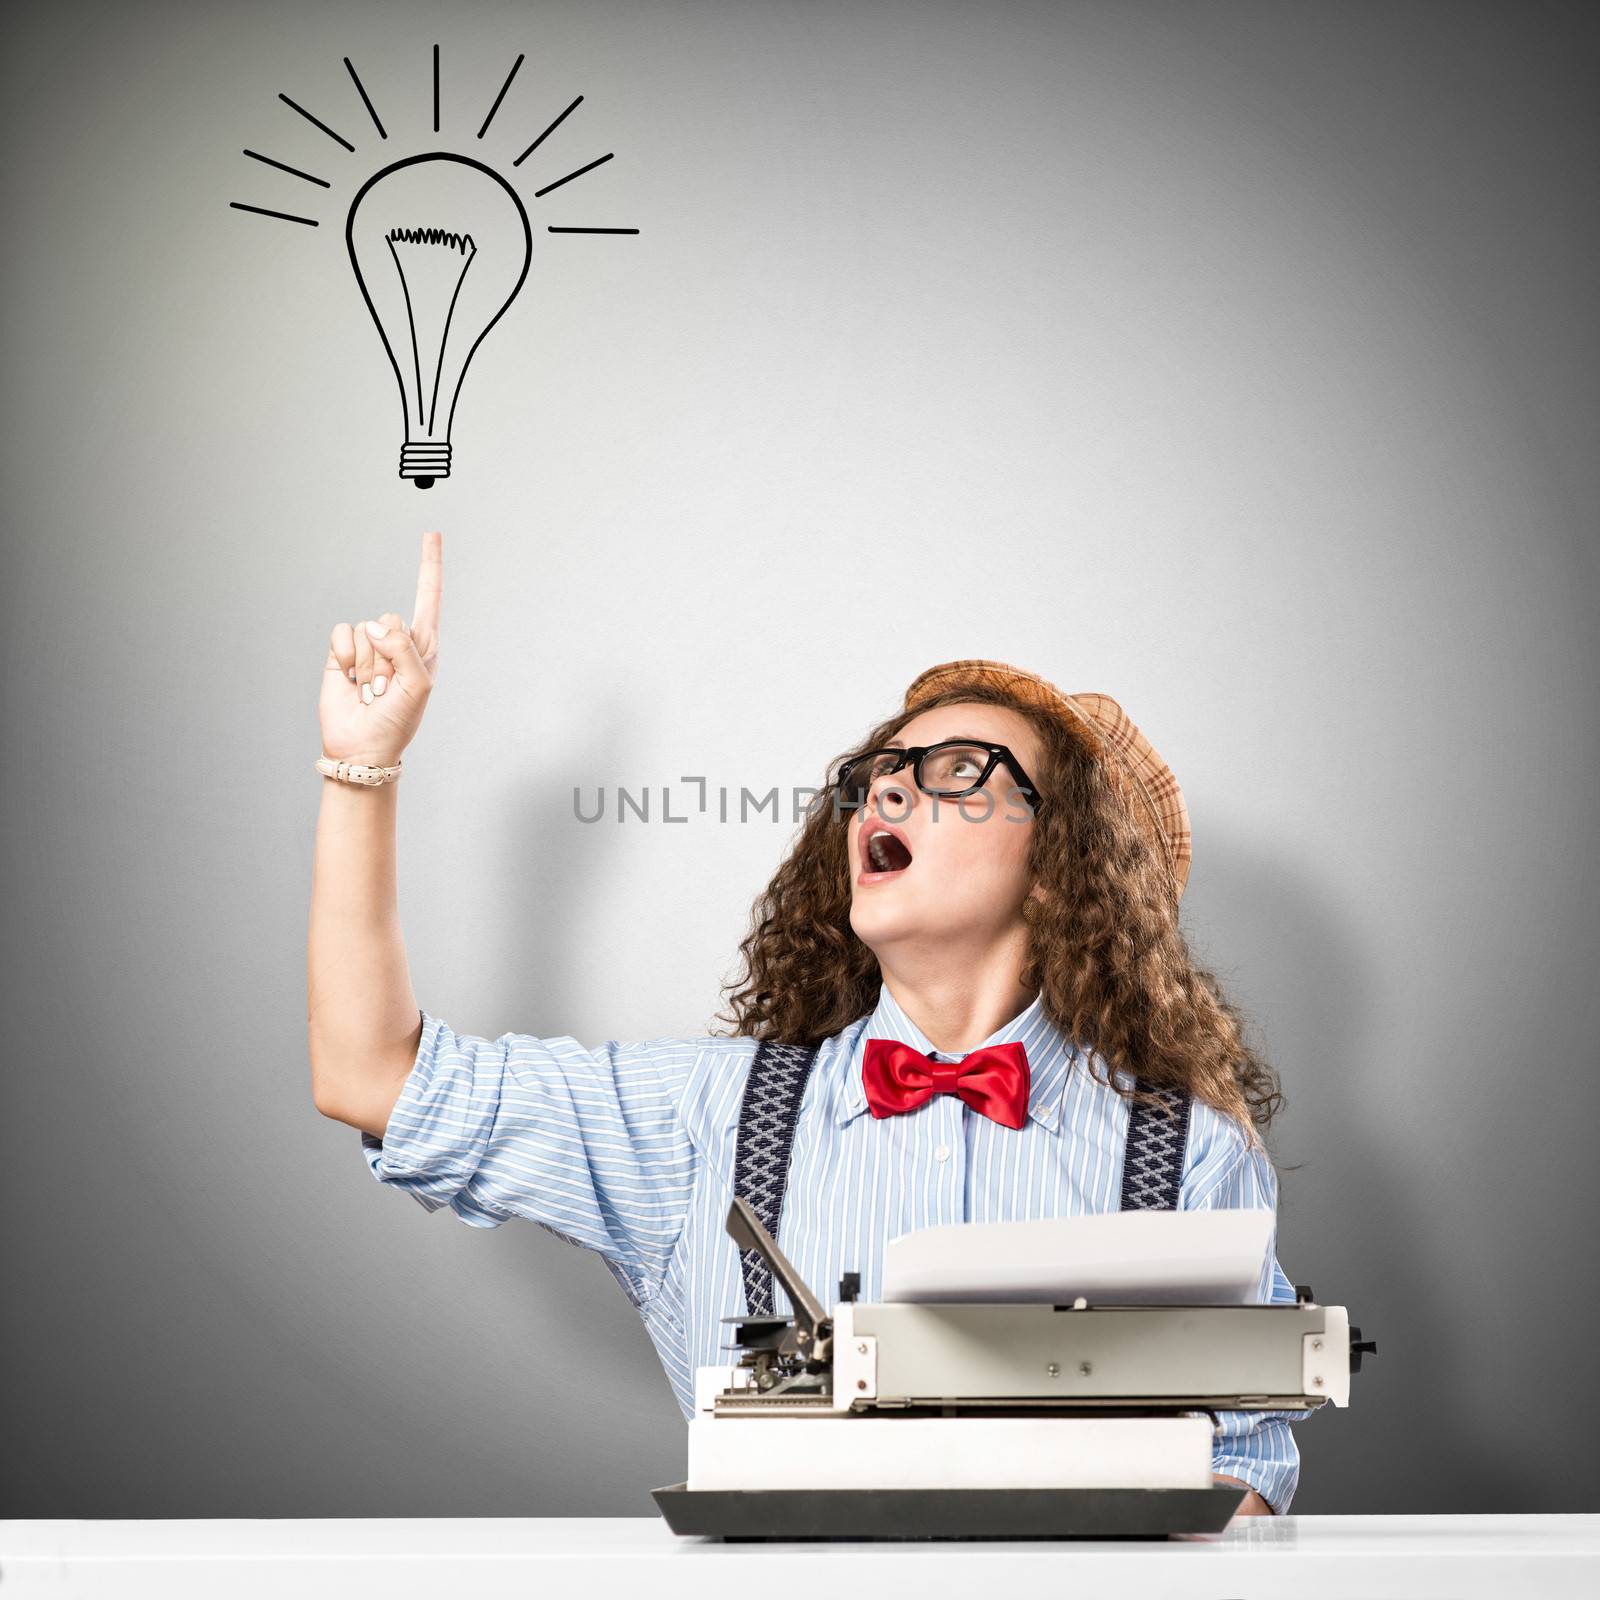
pixel 628 1150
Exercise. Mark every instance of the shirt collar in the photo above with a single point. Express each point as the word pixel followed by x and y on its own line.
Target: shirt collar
pixel 1050 1054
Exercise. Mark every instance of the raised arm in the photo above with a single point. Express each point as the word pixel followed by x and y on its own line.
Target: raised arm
pixel 362 1019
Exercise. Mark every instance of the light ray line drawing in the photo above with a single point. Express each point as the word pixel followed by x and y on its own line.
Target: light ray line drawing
pixel 261 211
pixel 499 97
pixel 338 138
pixel 365 99
pixel 283 166
pixel 539 194
pixel 547 132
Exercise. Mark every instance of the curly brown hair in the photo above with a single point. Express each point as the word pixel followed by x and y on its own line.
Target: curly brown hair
pixel 1104 947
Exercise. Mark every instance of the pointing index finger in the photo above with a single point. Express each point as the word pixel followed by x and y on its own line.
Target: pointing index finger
pixel 430 585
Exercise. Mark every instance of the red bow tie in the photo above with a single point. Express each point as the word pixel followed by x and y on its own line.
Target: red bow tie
pixel 992 1080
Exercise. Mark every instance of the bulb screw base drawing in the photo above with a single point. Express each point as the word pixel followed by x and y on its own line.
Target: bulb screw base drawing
pixel 422 463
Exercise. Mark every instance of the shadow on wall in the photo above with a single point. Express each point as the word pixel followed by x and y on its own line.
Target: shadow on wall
pixel 596 1388
pixel 1344 1216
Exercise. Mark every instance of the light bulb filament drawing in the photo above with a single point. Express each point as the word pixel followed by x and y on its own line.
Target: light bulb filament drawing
pixel 422 274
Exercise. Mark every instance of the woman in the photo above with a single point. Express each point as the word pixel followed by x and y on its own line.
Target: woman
pixel 1015 885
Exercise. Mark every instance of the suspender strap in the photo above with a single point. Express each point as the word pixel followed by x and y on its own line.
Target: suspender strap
pixel 768 1114
pixel 1152 1168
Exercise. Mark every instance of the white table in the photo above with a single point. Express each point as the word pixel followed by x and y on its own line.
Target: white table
pixel 596 1557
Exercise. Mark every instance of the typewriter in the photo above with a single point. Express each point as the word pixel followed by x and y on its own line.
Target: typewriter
pixel 928 1419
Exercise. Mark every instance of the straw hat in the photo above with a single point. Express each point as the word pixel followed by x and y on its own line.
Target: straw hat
pixel 1138 774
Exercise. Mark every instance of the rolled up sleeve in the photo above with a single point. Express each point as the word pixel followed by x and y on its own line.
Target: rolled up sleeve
pixel 1256 1447
pixel 589 1144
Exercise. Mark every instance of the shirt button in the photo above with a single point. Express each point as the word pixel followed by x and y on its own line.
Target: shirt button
pixel 942 1153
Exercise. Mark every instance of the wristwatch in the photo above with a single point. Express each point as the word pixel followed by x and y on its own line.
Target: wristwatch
pixel 356 772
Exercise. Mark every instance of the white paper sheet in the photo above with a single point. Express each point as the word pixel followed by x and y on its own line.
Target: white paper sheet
pixel 1119 1257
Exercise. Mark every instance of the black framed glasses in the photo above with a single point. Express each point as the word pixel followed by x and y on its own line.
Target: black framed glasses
pixel 949 769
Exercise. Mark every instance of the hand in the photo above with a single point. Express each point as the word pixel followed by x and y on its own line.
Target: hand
pixel 374 691
pixel 1252 1505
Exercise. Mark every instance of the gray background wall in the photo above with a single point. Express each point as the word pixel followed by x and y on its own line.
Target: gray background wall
pixel 1238 360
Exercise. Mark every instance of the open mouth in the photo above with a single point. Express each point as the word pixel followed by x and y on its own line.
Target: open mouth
pixel 887 852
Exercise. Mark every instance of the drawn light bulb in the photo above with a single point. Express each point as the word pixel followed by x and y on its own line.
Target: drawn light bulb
pixel 440 245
